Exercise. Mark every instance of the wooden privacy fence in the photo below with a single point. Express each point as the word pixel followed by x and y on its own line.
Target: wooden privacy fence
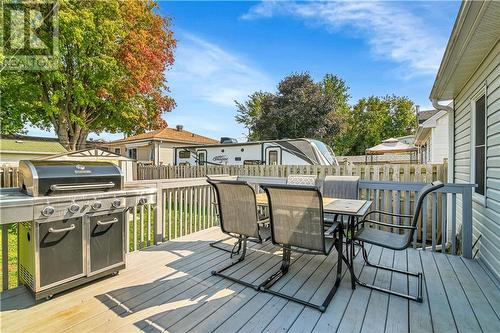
pixel 386 172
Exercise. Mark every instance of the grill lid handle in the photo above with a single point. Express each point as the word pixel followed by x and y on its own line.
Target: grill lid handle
pixel 82 187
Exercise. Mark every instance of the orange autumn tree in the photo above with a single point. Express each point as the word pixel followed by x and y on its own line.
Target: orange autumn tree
pixel 111 76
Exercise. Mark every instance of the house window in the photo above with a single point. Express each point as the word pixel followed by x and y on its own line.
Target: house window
pixel 117 151
pixel 132 153
pixel 479 144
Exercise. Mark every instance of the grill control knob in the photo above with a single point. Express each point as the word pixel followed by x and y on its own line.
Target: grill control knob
pixel 143 201
pixel 74 208
pixel 116 203
pixel 96 205
pixel 47 211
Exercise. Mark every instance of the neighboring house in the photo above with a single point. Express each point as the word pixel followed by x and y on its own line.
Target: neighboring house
pixel 431 139
pixel 407 139
pixel 14 148
pixel 469 75
pixel 156 147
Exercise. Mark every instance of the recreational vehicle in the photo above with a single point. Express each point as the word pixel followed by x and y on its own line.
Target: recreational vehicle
pixel 272 152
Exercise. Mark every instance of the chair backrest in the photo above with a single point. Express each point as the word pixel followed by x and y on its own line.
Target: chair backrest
pixel 237 207
pixel 420 201
pixel 342 187
pixel 296 216
pixel 305 180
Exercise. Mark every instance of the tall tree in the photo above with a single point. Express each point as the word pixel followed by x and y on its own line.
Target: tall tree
pixel 113 56
pixel 300 108
pixel 372 120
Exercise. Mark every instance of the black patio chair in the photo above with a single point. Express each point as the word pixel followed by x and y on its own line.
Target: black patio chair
pixel 297 224
pixel 238 217
pixel 391 240
pixel 340 187
pixel 216 244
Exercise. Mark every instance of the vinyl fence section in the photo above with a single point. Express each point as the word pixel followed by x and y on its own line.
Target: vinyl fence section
pixel 386 172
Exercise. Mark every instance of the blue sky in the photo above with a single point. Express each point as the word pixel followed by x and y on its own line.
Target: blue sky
pixel 227 50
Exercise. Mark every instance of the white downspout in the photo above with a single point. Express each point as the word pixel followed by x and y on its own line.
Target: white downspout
pixel 451 153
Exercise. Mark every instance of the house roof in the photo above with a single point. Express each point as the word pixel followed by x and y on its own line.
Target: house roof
pixel 474 35
pixel 35 145
pixel 169 134
pixel 422 116
pixel 391 146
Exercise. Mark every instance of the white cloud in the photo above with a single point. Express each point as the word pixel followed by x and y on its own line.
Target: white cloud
pixel 393 30
pixel 206 71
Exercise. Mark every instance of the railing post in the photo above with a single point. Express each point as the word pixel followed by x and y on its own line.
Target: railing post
pixel 159 214
pixel 5 257
pixel 467 222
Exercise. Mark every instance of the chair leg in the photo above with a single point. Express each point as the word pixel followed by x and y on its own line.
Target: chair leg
pixel 268 283
pixel 417 298
pixel 243 247
pixel 215 245
pixel 285 264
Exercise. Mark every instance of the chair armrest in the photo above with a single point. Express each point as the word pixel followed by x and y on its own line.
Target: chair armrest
pixel 263 221
pixel 332 229
pixel 409 227
pixel 386 213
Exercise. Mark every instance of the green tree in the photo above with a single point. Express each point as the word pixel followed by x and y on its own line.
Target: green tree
pixel 300 108
pixel 372 120
pixel 110 76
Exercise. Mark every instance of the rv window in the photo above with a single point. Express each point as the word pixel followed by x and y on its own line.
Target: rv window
pixel 237 158
pixel 184 154
pixel 201 158
pixel 273 157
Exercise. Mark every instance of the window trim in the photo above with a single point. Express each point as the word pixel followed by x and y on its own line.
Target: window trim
pixel 478 197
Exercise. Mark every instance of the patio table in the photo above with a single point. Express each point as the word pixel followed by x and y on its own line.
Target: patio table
pixel 348 207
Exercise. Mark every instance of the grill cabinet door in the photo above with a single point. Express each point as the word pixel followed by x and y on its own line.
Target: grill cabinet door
pixel 106 240
pixel 61 251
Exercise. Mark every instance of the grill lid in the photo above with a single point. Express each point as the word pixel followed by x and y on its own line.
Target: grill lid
pixel 42 178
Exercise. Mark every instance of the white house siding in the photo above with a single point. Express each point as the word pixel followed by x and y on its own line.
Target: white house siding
pixel 486 218
pixel 439 140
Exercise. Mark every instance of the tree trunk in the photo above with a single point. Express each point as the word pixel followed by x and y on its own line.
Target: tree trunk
pixel 71 139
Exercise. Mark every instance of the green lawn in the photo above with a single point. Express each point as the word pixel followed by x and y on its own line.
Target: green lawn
pixel 12 238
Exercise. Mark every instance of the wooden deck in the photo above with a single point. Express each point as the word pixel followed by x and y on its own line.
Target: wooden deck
pixel 170 288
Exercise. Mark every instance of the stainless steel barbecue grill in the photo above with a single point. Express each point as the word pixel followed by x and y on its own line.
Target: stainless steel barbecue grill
pixel 76 230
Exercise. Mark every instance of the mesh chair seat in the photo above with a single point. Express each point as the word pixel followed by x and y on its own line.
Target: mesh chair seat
pixel 383 238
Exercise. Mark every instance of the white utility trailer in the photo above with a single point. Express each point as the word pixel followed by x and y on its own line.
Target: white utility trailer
pixel 272 152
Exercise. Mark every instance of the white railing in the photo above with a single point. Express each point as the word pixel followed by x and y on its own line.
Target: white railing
pixel 184 206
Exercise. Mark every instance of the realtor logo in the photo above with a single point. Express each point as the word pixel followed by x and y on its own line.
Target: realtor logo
pixel 29 35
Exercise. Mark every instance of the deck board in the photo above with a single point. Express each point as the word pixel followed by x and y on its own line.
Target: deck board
pixel 170 288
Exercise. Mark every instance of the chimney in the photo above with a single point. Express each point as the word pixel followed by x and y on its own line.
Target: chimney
pixel 179 127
